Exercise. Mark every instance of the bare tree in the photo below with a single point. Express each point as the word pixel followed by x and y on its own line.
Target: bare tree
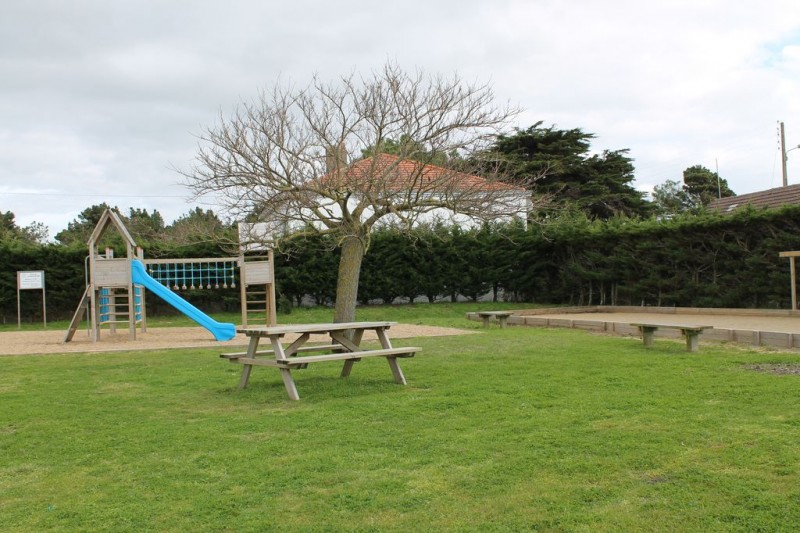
pixel 288 159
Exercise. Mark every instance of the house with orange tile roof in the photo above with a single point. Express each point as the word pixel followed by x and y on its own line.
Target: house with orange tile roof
pixel 415 192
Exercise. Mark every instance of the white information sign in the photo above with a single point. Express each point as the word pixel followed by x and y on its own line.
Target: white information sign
pixel 30 279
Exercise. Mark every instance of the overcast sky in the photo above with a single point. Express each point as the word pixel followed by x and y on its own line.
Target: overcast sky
pixel 99 99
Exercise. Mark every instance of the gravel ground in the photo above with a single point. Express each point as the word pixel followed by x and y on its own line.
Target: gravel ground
pixel 782 369
pixel 51 342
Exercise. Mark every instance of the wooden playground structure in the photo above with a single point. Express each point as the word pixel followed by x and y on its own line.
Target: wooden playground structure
pixel 115 287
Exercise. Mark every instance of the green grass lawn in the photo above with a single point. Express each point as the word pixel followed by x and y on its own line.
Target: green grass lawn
pixel 512 429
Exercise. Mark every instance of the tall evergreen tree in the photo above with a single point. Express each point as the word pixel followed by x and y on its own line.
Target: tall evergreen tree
pixel 35 232
pixel 669 199
pixel 559 163
pixel 144 226
pixel 703 185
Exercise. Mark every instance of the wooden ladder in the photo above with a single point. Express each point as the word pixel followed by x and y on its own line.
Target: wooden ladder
pixel 256 307
pixel 76 318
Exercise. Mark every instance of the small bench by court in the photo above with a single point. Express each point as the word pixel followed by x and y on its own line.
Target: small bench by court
pixel 692 333
pixel 501 316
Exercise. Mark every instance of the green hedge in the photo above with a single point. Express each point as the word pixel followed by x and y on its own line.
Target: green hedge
pixel 703 261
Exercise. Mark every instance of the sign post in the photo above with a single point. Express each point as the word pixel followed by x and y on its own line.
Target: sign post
pixel 30 280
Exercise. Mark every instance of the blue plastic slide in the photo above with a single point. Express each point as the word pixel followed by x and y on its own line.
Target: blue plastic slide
pixel 222 331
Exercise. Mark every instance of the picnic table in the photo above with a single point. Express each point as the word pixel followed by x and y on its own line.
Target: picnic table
pixel 344 344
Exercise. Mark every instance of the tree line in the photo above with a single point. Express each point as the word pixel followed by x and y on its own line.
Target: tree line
pixel 705 260
pixel 339 160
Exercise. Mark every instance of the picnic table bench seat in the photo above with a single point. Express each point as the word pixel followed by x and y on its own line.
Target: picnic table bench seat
pixel 295 362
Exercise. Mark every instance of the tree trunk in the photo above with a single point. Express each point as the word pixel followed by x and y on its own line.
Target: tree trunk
pixel 347 283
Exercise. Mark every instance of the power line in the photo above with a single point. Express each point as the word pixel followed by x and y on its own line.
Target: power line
pixel 59 194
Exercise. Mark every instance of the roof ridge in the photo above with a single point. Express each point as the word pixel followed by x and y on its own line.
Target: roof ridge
pixel 770 198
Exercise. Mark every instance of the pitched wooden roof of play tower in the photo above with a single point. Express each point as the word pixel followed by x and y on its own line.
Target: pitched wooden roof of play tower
pixel 110 218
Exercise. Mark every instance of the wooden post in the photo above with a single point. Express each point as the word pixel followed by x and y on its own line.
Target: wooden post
pixel 142 302
pixel 792 274
pixel 272 311
pixel 243 288
pixel 783 156
pixel 794 283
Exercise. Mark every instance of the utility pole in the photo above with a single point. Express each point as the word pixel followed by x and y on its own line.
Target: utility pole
pixel 783 156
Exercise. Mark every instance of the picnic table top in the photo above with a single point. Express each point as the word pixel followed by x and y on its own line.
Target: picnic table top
pixel 495 313
pixel 266 331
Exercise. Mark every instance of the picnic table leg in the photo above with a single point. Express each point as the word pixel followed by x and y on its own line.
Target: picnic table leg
pixel 485 321
pixel 393 364
pixel 280 355
pixel 252 348
pixel 647 335
pixel 385 343
pixel 396 372
pixel 502 320
pixel 288 382
pixel 348 364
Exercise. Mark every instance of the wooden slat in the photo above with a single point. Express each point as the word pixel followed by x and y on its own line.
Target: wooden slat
pixel 317 348
pixel 189 260
pixel 255 362
pixel 266 331
pixel 392 352
pixel 344 356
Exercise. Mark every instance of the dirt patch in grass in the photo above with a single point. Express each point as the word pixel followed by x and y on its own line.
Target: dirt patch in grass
pixel 777 368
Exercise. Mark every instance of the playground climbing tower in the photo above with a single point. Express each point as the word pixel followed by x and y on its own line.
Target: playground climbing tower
pixel 111 296
pixel 257 272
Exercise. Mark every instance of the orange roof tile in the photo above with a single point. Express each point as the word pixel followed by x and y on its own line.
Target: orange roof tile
pixel 398 174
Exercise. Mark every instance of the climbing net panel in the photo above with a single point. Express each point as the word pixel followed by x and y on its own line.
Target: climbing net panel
pixel 190 274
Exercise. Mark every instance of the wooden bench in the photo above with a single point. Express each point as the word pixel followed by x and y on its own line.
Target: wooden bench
pixel 502 317
pixel 691 332
pixel 302 362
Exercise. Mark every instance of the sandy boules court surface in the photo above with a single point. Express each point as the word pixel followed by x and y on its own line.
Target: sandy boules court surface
pixel 778 324
pixel 51 342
